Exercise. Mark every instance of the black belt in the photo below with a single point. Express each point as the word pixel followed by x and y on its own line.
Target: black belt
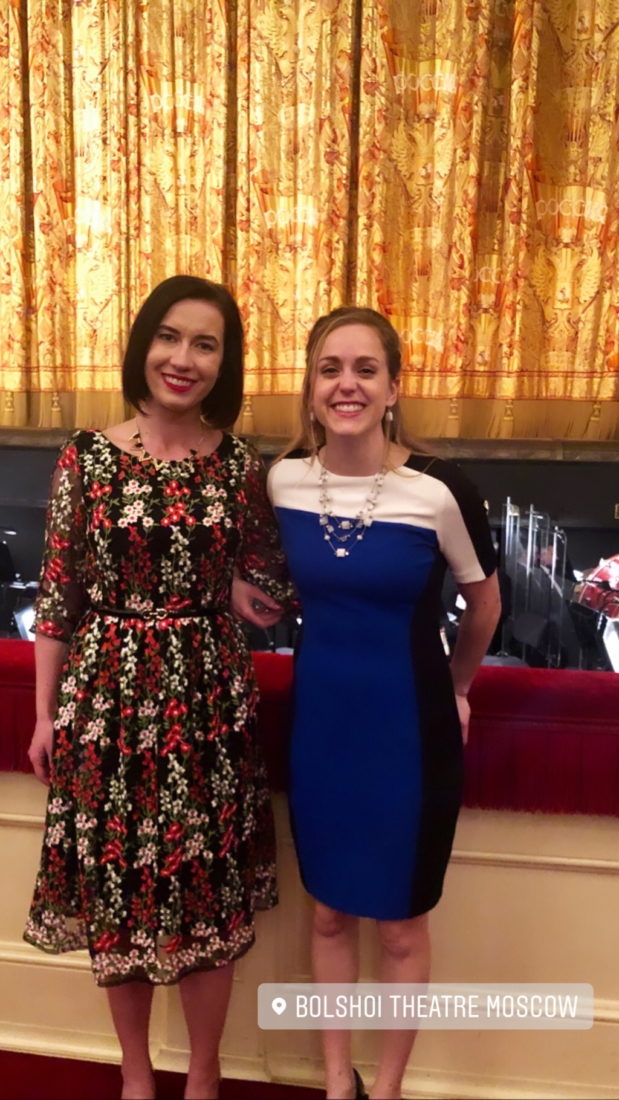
pixel 157 613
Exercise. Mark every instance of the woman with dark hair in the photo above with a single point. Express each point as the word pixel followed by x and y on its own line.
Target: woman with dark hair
pixel 159 842
pixel 369 525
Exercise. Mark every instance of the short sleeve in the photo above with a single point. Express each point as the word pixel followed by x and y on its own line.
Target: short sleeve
pixel 463 530
pixel 260 559
pixel 61 599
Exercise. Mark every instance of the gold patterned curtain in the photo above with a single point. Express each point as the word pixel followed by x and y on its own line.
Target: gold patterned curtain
pixel 453 164
pixel 112 168
pixel 488 218
pixel 289 243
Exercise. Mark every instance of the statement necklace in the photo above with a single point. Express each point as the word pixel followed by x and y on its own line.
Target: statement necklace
pixel 345 529
pixel 143 454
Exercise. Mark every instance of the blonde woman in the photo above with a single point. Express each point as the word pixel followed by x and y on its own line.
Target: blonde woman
pixel 369 528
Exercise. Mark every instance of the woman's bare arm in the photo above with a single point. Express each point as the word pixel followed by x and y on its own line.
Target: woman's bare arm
pixel 477 625
pixel 50 656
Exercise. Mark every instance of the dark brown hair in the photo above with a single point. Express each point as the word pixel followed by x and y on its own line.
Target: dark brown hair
pixel 222 405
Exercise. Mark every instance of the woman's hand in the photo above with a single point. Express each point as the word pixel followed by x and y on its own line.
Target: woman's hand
pixel 251 603
pixel 40 751
pixel 464 713
pixel 477 625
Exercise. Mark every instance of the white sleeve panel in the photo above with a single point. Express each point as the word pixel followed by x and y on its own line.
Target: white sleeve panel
pixel 456 542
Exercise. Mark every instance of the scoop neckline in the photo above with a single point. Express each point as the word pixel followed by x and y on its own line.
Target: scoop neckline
pixel 161 461
pixel 357 477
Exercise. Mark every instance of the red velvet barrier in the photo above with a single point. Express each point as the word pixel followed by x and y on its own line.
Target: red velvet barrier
pixel 544 740
pixel 540 739
pixel 17 704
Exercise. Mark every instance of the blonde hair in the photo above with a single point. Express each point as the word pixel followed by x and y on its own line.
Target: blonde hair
pixel 311 434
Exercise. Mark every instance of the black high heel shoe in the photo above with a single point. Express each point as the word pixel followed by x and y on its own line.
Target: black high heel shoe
pixel 360 1093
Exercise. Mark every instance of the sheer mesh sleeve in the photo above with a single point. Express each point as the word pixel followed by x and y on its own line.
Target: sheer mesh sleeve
pixel 61 598
pixel 260 559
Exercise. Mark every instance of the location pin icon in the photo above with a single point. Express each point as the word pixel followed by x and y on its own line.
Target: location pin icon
pixel 278 1005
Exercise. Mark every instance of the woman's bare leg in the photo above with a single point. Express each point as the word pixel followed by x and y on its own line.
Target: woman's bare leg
pixel 205 996
pixel 130 1005
pixel 405 958
pixel 335 958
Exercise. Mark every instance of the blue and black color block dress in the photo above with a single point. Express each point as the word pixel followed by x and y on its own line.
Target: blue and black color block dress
pixel 376 752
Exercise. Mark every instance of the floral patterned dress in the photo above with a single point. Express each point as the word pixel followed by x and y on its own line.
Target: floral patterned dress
pixel 159 840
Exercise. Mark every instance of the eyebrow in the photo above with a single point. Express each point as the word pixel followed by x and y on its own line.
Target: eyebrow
pixel 359 359
pixel 202 336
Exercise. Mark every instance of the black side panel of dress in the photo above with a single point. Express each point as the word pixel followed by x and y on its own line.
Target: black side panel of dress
pixel 440 738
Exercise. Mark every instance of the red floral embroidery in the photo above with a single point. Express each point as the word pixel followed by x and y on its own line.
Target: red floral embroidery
pixel 159 832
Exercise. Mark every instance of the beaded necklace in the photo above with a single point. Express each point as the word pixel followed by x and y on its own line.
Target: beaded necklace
pixel 344 530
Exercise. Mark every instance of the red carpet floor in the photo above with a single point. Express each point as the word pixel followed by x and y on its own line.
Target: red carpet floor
pixel 31 1077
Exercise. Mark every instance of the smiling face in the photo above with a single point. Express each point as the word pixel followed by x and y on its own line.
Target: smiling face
pixel 352 385
pixel 183 360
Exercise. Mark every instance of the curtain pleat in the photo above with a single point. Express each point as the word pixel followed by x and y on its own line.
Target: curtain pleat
pixel 294 70
pixel 13 306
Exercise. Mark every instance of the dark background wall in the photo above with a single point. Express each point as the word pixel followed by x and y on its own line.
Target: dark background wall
pixel 25 477
pixel 580 496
